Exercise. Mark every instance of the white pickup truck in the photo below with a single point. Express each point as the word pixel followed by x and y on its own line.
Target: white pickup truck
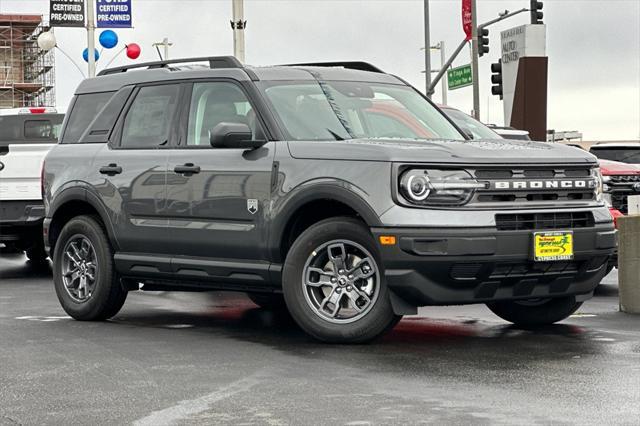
pixel 26 135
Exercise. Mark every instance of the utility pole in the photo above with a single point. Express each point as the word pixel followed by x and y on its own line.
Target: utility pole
pixel 427 50
pixel 443 59
pixel 238 24
pixel 474 60
pixel 165 44
pixel 91 39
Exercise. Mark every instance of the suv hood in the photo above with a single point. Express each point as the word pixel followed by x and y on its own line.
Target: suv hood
pixel 495 151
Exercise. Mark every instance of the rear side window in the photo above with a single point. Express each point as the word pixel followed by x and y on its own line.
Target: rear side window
pixel 148 121
pixel 84 111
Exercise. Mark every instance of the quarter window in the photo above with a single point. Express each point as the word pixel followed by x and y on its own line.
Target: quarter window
pixel 148 121
pixel 85 109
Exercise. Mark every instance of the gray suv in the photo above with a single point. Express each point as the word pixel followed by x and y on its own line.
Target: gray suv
pixel 333 189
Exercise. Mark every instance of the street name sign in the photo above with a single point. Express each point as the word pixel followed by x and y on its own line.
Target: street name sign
pixel 459 77
pixel 66 13
pixel 113 13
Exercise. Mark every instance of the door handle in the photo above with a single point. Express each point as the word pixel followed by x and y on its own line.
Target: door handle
pixel 111 170
pixel 187 169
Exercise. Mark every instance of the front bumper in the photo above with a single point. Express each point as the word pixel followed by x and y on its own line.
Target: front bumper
pixel 455 266
pixel 21 221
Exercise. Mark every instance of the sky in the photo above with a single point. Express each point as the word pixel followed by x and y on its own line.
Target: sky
pixel 593 47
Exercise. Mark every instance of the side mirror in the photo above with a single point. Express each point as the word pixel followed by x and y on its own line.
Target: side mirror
pixel 233 135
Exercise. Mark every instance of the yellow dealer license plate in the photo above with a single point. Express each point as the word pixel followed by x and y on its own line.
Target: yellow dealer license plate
pixel 551 246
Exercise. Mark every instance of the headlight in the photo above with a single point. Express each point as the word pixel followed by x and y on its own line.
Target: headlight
pixel 434 187
pixel 595 172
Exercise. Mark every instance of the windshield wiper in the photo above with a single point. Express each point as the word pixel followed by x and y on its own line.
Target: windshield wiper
pixel 335 135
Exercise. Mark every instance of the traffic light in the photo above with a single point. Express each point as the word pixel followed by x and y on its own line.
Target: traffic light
pixel 536 11
pixel 483 41
pixel 496 78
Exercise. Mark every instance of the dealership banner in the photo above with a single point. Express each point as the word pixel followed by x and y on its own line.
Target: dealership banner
pixel 113 13
pixel 66 13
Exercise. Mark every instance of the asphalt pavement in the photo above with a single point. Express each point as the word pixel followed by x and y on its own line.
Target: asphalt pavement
pixel 211 358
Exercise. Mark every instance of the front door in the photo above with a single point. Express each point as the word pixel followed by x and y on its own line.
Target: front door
pixel 217 199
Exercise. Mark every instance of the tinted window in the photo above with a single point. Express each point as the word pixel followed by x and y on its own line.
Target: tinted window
pixel 30 128
pixel 148 121
pixel 85 109
pixel 40 129
pixel 215 103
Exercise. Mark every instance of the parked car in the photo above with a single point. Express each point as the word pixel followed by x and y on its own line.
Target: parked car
pixel 334 189
pixel 26 135
pixel 510 133
pixel 623 152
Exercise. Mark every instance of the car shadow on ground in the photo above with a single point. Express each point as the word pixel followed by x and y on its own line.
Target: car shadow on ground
pixel 16 265
pixel 445 340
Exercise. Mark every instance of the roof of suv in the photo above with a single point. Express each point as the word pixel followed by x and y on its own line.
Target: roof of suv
pixel 228 67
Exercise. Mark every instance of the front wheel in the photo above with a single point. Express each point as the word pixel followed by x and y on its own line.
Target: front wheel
pixel 334 285
pixel 535 312
pixel 84 276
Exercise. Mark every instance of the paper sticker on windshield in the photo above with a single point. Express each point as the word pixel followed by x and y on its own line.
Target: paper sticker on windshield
pixel 252 205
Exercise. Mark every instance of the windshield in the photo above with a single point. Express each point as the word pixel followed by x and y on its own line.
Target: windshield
pixel 338 110
pixel 621 154
pixel 464 121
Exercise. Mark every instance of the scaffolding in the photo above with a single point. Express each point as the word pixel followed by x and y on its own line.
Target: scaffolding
pixel 27 73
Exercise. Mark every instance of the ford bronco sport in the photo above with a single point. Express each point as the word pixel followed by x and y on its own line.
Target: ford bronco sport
pixel 334 189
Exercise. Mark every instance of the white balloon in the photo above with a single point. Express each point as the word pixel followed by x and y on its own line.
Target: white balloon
pixel 46 41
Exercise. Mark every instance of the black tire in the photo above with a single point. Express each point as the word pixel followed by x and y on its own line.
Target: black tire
pixel 108 295
pixel 270 301
pixel 375 322
pixel 532 313
pixel 36 253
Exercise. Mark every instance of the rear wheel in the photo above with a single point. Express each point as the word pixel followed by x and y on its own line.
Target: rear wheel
pixel 334 284
pixel 85 280
pixel 535 312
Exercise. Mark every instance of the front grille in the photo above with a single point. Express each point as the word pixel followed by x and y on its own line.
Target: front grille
pixel 542 221
pixel 621 187
pixel 534 186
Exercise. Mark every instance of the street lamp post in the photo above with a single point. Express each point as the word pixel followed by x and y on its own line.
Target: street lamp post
pixel 474 60
pixel 238 24
pixel 427 51
pixel 91 39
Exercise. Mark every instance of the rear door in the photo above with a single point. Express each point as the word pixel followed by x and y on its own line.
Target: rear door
pixel 218 198
pixel 129 173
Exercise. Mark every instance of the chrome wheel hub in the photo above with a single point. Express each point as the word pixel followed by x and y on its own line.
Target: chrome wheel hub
pixel 341 281
pixel 79 268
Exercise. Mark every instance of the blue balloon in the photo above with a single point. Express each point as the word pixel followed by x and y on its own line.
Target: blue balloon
pixel 108 39
pixel 85 55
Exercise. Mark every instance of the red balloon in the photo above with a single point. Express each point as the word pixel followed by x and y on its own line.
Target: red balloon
pixel 133 51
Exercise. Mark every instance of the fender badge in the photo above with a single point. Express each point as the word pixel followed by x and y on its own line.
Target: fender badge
pixel 252 205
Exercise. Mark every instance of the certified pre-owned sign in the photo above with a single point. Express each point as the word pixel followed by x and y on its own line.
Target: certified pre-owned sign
pixel 66 13
pixel 113 13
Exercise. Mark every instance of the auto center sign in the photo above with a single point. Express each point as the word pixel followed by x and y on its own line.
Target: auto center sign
pixel 66 13
pixel 113 13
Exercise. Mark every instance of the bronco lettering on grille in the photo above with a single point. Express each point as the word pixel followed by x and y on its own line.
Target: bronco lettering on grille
pixel 544 184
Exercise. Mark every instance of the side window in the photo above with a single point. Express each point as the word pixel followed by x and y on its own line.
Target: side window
pixel 218 102
pixel 148 121
pixel 85 109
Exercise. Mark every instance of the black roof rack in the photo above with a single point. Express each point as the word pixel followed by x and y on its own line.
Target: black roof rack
pixel 352 65
pixel 214 62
